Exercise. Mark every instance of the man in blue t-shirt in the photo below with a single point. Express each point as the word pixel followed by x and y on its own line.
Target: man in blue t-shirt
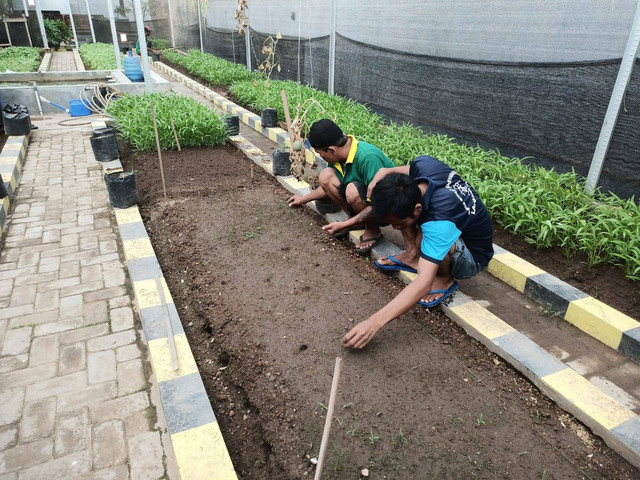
pixel 447 231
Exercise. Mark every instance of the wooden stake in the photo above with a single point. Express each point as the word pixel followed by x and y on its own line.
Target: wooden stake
pixel 175 134
pixel 155 129
pixel 329 420
pixel 167 323
pixel 287 115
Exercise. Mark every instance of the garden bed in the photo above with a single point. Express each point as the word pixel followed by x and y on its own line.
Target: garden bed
pixel 265 298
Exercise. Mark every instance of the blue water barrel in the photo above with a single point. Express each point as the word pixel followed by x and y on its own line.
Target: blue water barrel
pixel 132 68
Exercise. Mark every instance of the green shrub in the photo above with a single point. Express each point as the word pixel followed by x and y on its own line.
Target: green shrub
pixel 57 32
pixel 160 43
pixel 20 59
pixel 214 70
pixel 196 124
pixel 99 56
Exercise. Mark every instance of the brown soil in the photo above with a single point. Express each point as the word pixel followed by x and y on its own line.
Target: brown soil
pixel 265 298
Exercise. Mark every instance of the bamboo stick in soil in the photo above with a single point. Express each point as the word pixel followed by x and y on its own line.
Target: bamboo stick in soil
pixel 155 129
pixel 175 134
pixel 329 420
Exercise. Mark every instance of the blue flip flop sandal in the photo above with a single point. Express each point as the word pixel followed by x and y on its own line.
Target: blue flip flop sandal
pixel 446 293
pixel 398 266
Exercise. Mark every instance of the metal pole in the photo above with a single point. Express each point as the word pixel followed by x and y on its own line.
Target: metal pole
pixel 332 45
pixel 144 56
pixel 73 25
pixel 114 36
pixel 45 42
pixel 247 45
pixel 200 25
pixel 93 33
pixel 173 38
pixel 613 110
pixel 26 9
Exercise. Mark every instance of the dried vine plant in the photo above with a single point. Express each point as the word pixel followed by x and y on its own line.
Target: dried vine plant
pixel 242 21
pixel 298 153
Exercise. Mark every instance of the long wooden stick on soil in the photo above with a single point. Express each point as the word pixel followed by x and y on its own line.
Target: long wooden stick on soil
pixel 175 134
pixel 167 322
pixel 329 420
pixel 155 129
pixel 287 115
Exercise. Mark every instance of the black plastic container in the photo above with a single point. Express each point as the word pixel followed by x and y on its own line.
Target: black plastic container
pixel 123 192
pixel 3 189
pixel 16 119
pixel 233 124
pixel 105 147
pixel 326 205
pixel 269 117
pixel 281 163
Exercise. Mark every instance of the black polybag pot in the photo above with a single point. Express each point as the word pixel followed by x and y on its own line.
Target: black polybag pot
pixel 233 125
pixel 326 205
pixel 16 119
pixel 269 117
pixel 122 189
pixel 3 189
pixel 281 163
pixel 105 147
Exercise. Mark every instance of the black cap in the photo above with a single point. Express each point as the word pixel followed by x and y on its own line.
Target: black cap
pixel 324 133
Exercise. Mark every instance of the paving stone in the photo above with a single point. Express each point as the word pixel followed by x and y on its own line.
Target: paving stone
pixel 100 259
pixel 44 350
pixel 26 455
pixel 63 282
pixel 51 236
pixel 55 386
pixel 93 331
pixel 91 273
pixel 105 294
pixel 27 376
pixel 108 444
pixel 6 286
pixel 95 312
pixel 8 437
pixel 121 319
pixel 28 259
pixel 59 326
pixel 37 278
pixel 119 407
pixel 12 403
pixel 13 312
pixel 37 420
pixel 51 264
pixel 78 463
pixel 17 272
pixel 71 306
pixel 69 240
pixel 37 318
pixel 56 252
pixel 128 352
pixel 17 341
pixel 145 453
pixel 82 288
pixel 72 358
pixel 73 433
pixel 111 341
pixel 69 268
pixel 131 377
pixel 15 362
pixel 119 472
pixel 47 300
pixel 117 302
pixel 114 277
pixel 87 396
pixel 25 295
pixel 101 366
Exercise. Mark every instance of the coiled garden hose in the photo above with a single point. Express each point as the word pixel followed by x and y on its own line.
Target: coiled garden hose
pixel 97 96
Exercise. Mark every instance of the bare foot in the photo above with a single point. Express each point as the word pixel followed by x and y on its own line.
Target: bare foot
pixel 368 239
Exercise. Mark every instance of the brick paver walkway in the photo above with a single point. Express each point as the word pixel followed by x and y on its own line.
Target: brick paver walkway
pixel 74 392
pixel 62 62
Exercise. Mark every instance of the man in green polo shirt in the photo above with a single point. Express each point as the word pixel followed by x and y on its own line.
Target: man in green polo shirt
pixel 353 165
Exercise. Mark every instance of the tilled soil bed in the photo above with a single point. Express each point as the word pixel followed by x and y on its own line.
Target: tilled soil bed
pixel 265 298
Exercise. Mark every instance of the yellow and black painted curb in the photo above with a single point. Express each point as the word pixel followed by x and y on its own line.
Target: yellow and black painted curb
pixel 197 442
pixel 78 60
pixel 592 316
pixel 608 418
pixel 12 160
